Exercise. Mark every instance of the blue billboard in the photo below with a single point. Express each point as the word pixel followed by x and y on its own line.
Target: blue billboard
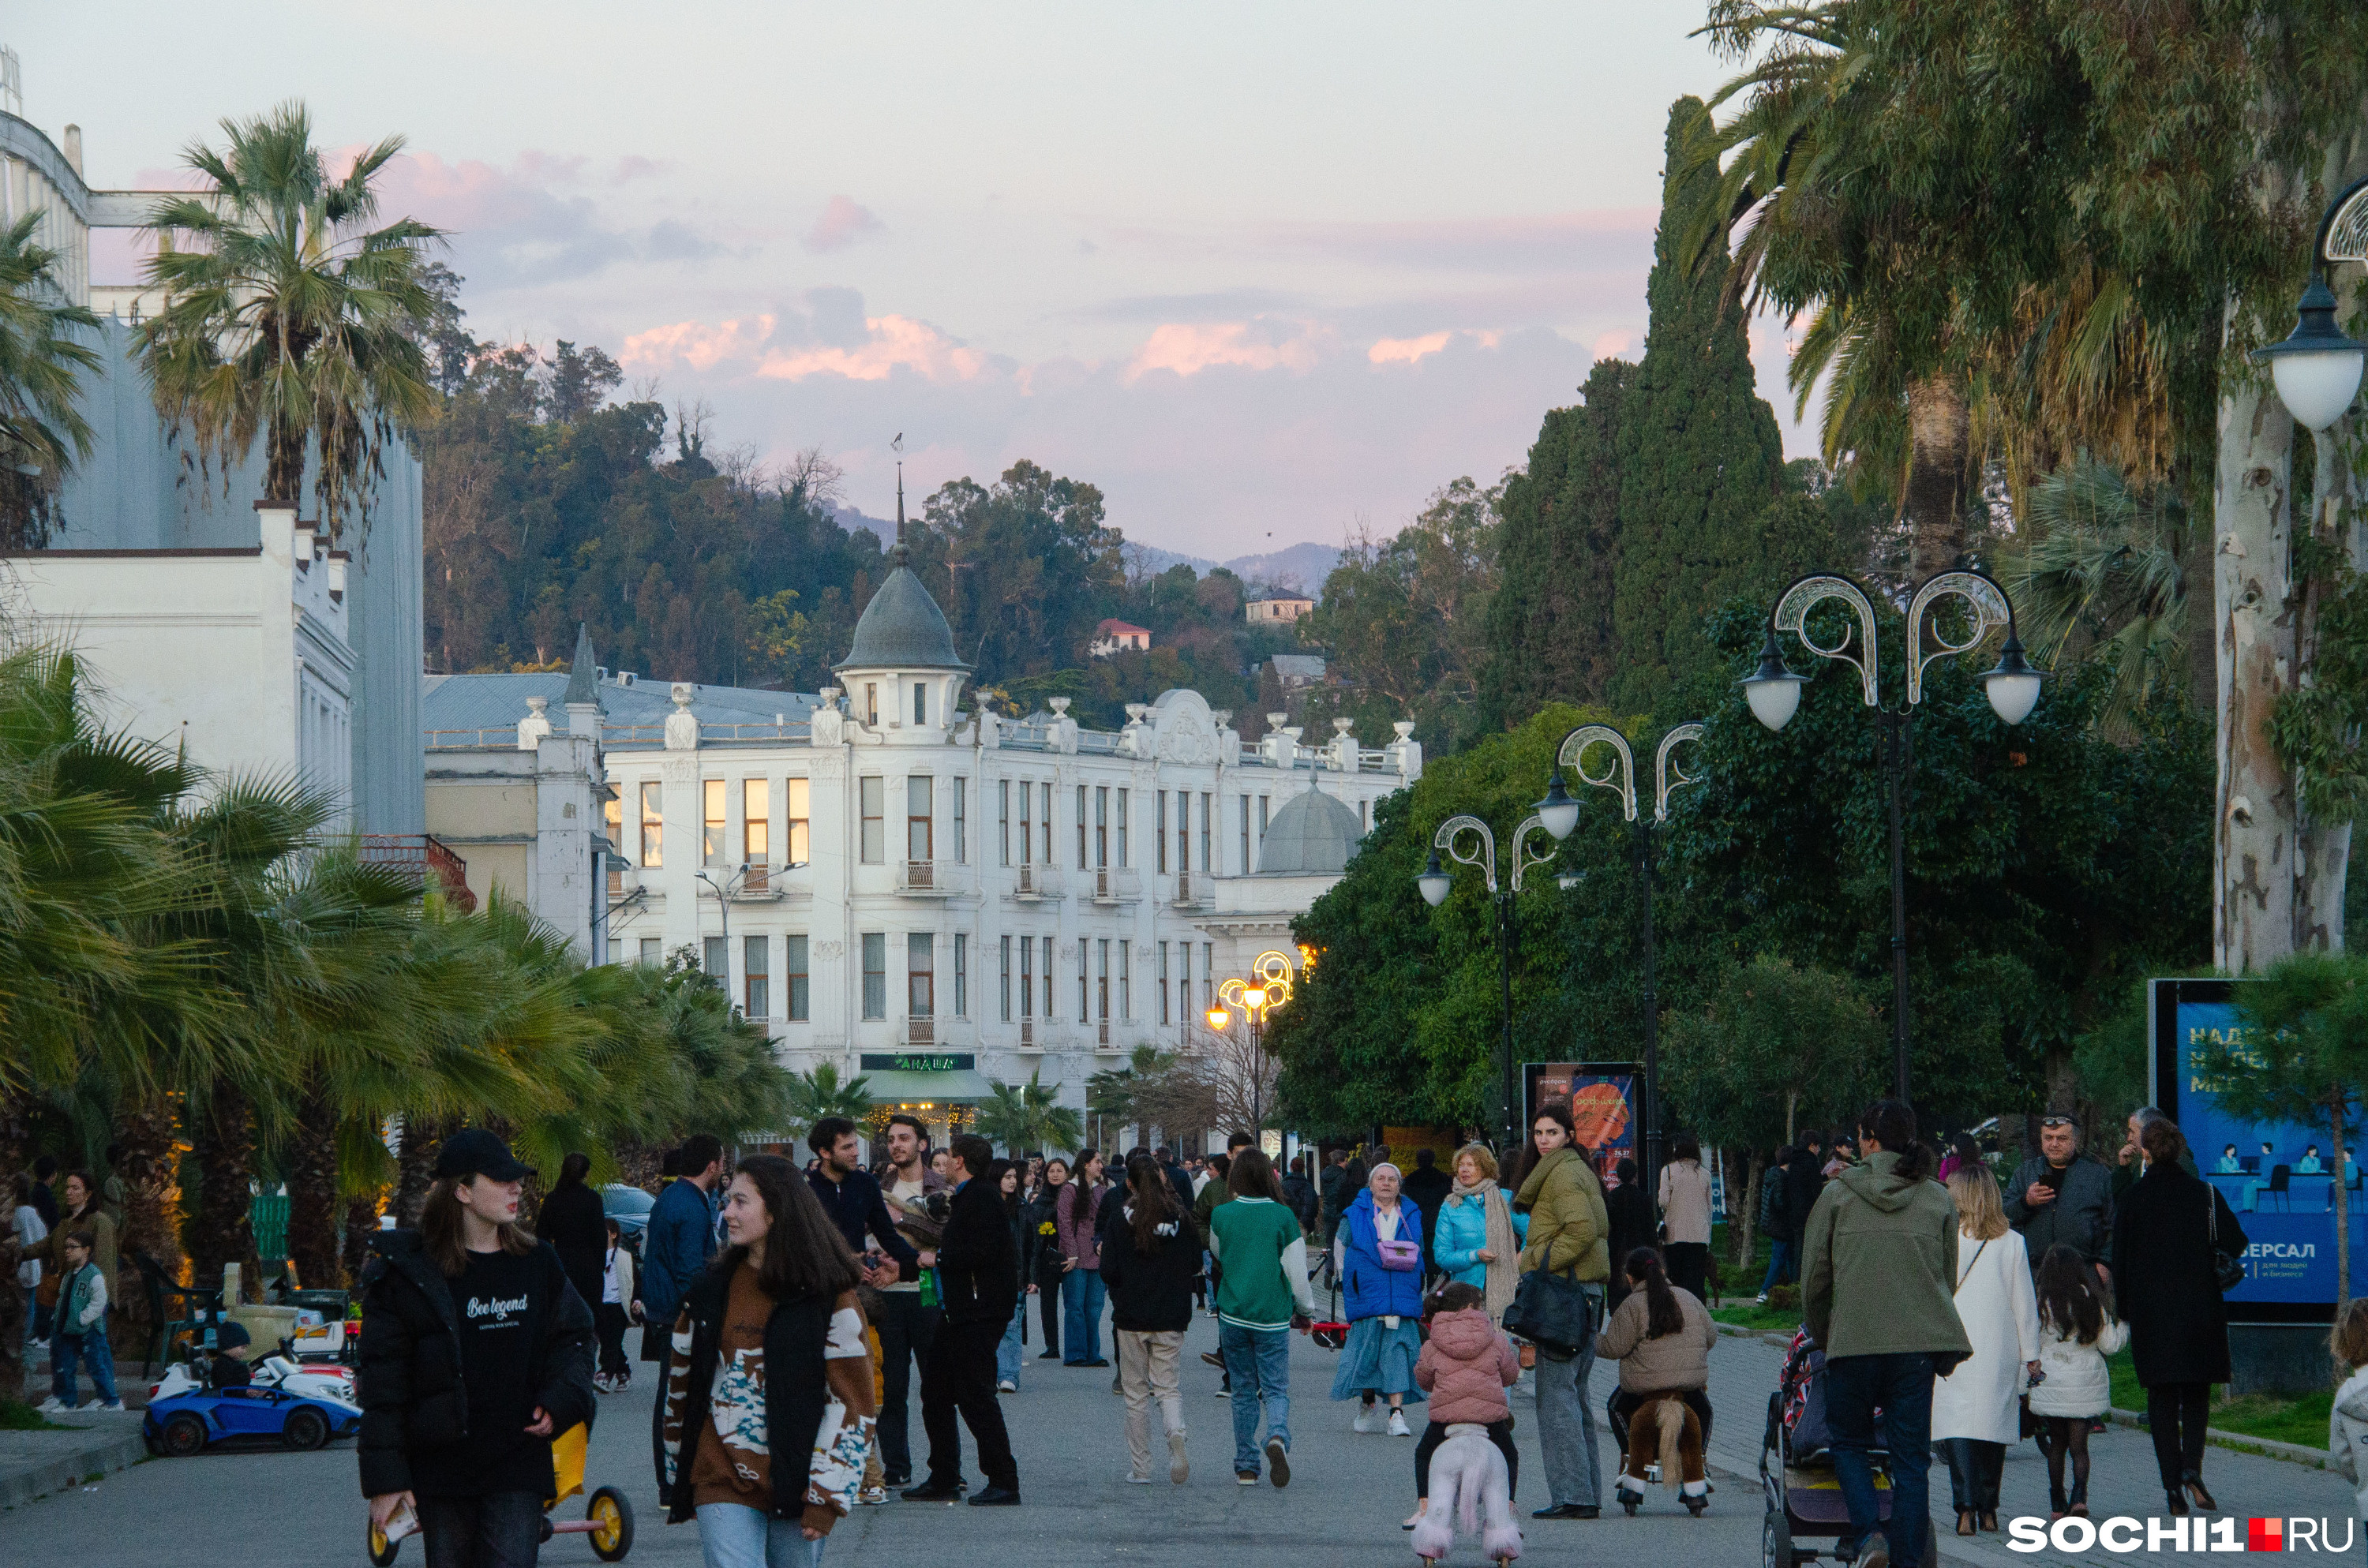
pixel 2279 1178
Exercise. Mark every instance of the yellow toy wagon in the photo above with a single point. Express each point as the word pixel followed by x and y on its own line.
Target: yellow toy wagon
pixel 608 1515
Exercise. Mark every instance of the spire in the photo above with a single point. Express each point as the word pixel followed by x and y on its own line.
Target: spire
pixel 583 685
pixel 897 445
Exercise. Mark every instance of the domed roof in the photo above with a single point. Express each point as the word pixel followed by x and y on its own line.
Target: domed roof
pixel 1313 835
pixel 902 629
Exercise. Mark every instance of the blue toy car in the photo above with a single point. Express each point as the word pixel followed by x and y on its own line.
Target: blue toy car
pixel 185 1424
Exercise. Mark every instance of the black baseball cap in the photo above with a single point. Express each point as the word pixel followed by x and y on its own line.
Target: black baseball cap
pixel 477 1152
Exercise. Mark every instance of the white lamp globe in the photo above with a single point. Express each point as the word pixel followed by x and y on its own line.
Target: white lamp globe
pixel 1434 882
pixel 2317 368
pixel 1774 691
pixel 1558 811
pixel 2013 686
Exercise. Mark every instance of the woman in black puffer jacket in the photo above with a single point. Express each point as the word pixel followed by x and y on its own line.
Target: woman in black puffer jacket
pixel 476 1352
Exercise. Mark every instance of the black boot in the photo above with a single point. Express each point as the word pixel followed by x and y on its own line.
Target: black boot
pixel 2077 1504
pixel 2056 1505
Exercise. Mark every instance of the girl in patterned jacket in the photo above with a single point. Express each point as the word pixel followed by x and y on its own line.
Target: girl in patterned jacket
pixel 770 1401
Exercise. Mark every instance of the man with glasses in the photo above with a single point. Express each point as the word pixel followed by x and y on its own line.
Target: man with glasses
pixel 2062 1197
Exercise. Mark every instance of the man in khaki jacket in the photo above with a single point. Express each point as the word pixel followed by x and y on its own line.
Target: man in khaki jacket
pixel 1569 1234
pixel 1878 1288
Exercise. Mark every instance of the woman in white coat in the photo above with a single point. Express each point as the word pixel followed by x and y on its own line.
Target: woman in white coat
pixel 1976 1409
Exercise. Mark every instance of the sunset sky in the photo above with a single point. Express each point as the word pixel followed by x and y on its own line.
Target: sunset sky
pixel 1255 270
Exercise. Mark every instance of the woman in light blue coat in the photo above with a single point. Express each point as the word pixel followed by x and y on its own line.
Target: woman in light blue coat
pixel 1479 1240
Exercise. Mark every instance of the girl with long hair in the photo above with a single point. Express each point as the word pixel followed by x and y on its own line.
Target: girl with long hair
pixel 1078 1211
pixel 769 1399
pixel 1976 1409
pixel 1661 1335
pixel 1148 1261
pixel 2077 1332
pixel 1568 1225
pixel 1013 1350
pixel 1041 1256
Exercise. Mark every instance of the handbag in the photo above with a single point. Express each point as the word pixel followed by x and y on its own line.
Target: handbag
pixel 2227 1272
pixel 1400 1257
pixel 45 1294
pixel 1552 1312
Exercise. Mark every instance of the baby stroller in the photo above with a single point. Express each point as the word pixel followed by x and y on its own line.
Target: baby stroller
pixel 1807 1517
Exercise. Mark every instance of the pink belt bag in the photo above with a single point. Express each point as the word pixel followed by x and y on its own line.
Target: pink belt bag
pixel 1400 1257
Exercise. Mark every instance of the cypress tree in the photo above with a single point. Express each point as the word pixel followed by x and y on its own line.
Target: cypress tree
pixel 1700 458
pixel 1550 624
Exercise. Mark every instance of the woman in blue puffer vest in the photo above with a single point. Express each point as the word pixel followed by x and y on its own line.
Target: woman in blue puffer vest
pixel 1383 1303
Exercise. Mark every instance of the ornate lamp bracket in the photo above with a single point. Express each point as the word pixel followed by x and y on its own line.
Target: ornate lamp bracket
pixel 1666 776
pixel 1620 777
pixel 1452 835
pixel 1792 615
pixel 1988 609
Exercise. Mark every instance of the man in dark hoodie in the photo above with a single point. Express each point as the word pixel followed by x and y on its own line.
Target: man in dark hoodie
pixel 1878 1286
pixel 978 1277
pixel 1427 1188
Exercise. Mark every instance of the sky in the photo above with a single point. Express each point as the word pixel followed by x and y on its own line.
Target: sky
pixel 1263 274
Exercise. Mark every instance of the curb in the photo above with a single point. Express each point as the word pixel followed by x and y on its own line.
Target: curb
pixel 66 1469
pixel 2267 1447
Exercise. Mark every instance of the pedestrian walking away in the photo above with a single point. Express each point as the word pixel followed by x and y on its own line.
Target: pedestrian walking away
pixel 1149 1260
pixel 1299 1194
pixel 1978 1408
pixel 2073 1385
pixel 1661 1336
pixel 1427 1186
pixel 1558 1189
pixel 1878 1275
pixel 767 1348
pixel 1466 1366
pixel 615 1314
pixel 1077 1231
pixel 1780 1222
pixel 2061 1197
pixel 570 1220
pixel 978 1280
pixel 1262 1298
pixel 908 1319
pixel 1378 1254
pixel 476 1351
pixel 679 1237
pixel 1478 1242
pixel 1628 1208
pixel 25 1222
pixel 2169 1231
pixel 1685 1214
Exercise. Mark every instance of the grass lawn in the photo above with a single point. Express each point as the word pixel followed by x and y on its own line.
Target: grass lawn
pixel 15 1415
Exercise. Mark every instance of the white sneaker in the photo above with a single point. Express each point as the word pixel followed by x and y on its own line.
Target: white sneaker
pixel 116 1404
pixel 1138 1481
pixel 1397 1425
pixel 1007 1386
pixel 1761 1299
pixel 1366 1420
pixel 52 1405
pixel 1179 1469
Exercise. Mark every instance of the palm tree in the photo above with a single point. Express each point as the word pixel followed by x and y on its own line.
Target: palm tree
pixel 1023 1117
pixel 42 360
pixel 2099 576
pixel 818 1094
pixel 288 318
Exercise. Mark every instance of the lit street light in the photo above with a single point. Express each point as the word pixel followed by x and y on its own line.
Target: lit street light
pixel 1559 812
pixel 1268 987
pixel 1436 881
pixel 1774 693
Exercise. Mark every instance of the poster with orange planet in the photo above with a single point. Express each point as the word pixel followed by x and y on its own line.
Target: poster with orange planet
pixel 1603 1098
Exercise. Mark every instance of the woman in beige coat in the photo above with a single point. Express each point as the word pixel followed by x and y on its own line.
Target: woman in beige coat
pixel 1685 1216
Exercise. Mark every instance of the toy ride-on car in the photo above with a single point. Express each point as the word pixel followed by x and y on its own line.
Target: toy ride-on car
pixel 184 1424
pixel 608 1513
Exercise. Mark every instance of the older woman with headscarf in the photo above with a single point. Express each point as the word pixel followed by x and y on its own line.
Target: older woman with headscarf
pixel 1378 1259
pixel 1478 1240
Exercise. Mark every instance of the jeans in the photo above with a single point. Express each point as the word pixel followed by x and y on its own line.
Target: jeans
pixel 500 1529
pixel 1901 1385
pixel 92 1348
pixel 613 1323
pixel 1012 1351
pixel 2175 1419
pixel 959 1376
pixel 1258 1362
pixel 1975 1469
pixel 1781 1267
pixel 732 1535
pixel 908 1329
pixel 1566 1424
pixel 1081 1315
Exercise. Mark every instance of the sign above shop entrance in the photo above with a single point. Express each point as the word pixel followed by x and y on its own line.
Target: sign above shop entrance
pixel 919 1062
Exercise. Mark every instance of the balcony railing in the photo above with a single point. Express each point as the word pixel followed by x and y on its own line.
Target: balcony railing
pixel 1116 884
pixel 1033 882
pixel 1192 889
pixel 423 857
pixel 920 1031
pixel 1029 1038
pixel 925 878
pixel 1102 1036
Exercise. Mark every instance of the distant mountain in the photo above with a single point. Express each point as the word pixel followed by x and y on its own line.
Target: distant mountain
pixel 1302 566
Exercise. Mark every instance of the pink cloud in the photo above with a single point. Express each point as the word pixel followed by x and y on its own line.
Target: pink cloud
pixel 748 347
pixel 1187 348
pixel 842 223
pixel 1406 350
pixel 633 166
pixel 1611 344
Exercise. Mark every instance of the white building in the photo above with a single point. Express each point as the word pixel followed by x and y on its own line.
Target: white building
pixel 937 898
pixel 209 617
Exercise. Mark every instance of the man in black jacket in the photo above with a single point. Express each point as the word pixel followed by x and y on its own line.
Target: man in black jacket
pixel 850 1196
pixel 978 1285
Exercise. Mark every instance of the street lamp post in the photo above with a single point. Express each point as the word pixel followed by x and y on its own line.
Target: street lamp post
pixel 2316 367
pixel 1559 812
pixel 1436 883
pixel 1774 693
pixel 1268 987
pixel 733 878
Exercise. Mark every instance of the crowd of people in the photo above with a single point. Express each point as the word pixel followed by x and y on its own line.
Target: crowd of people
pixel 805 1302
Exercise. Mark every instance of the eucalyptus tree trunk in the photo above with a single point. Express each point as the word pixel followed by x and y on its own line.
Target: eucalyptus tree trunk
pixel 2323 850
pixel 2254 827
pixel 1937 425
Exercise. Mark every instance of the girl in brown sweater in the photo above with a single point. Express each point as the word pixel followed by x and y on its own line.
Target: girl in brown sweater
pixel 768 1397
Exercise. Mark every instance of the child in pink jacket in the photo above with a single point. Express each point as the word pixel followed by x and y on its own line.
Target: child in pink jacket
pixel 1466 1366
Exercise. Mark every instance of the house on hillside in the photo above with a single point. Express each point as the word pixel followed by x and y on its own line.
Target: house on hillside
pixel 1277 611
pixel 1113 635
